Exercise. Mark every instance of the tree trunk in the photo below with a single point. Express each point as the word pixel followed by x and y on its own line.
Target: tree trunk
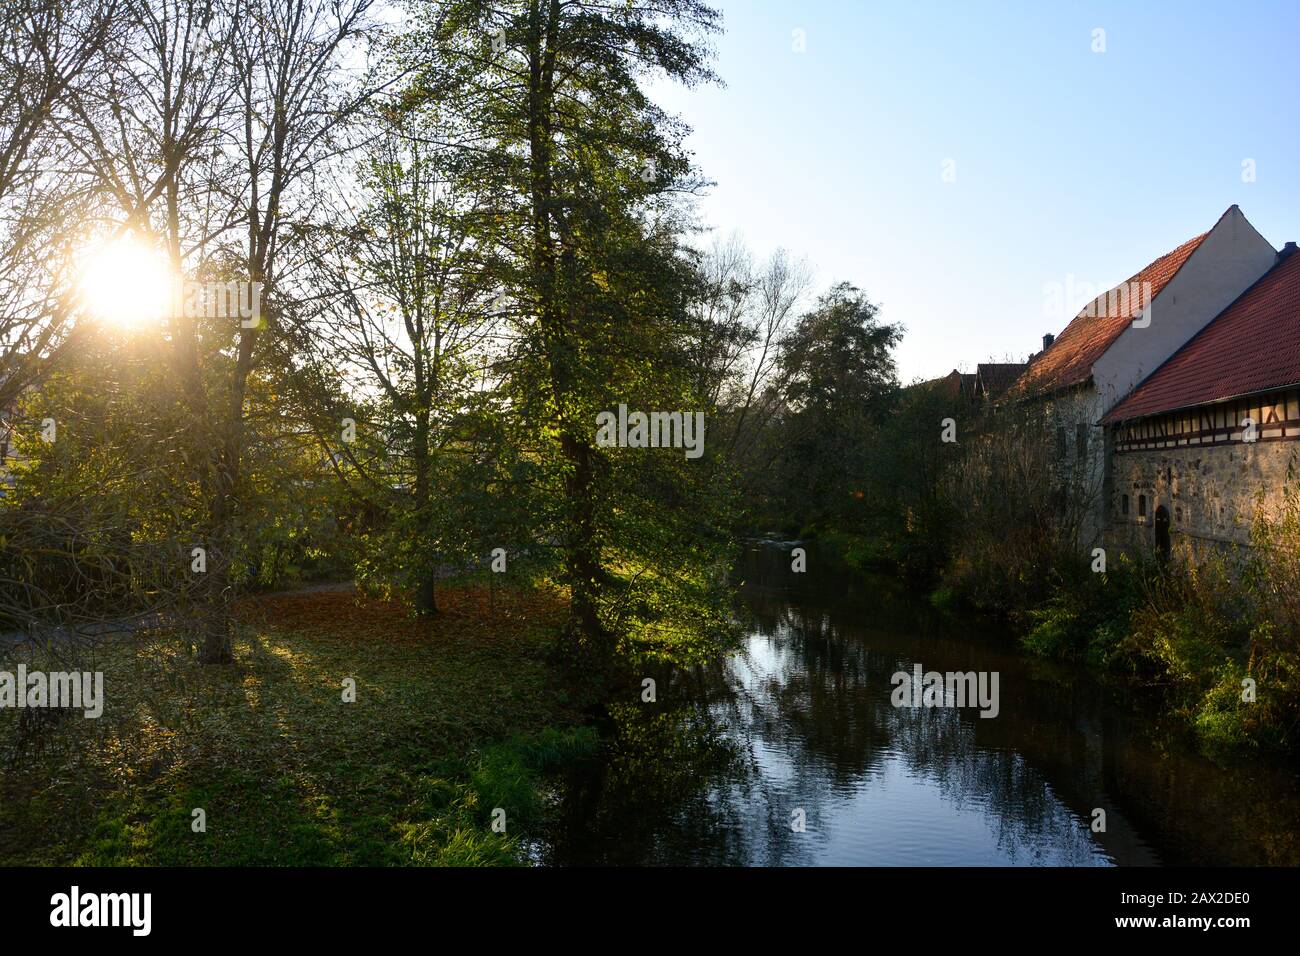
pixel 581 557
pixel 217 647
pixel 426 601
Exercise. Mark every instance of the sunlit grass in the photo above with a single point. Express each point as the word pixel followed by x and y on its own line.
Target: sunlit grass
pixel 445 728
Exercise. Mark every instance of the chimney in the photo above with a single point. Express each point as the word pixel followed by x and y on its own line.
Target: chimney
pixel 1048 339
pixel 1286 250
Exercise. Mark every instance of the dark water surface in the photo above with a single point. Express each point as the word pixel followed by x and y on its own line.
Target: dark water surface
pixel 799 721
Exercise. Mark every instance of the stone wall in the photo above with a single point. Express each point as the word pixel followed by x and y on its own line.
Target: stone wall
pixel 1210 492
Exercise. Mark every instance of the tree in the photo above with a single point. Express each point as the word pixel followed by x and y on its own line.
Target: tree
pixel 45 46
pixel 742 310
pixel 839 382
pixel 206 135
pixel 1021 505
pixel 409 313
pixel 547 97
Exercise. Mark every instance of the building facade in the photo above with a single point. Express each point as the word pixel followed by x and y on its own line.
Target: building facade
pixel 1213 434
pixel 1122 337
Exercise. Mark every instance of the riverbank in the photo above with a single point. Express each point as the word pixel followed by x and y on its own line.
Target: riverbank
pixel 1187 638
pixel 453 717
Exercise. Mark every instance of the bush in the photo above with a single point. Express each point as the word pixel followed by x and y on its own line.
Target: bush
pixel 1086 615
pixel 1059 628
pixel 1186 628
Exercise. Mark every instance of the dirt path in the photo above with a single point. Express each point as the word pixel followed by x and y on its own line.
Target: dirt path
pixel 108 629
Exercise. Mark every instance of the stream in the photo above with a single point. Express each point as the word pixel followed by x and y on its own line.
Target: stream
pixel 791 751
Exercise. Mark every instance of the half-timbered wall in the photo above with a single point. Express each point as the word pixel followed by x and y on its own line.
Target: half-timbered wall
pixel 1199 467
pixel 1276 417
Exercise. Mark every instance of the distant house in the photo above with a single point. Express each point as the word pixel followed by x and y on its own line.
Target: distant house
pixel 1215 425
pixel 994 379
pixel 954 385
pixel 1126 333
pixel 989 381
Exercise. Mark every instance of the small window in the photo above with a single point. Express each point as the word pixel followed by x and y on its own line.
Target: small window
pixel 1060 442
pixel 1123 504
pixel 1142 506
pixel 1081 440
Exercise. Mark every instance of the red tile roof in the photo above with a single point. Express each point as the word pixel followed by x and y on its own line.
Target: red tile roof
pixel 997 377
pixel 1252 346
pixel 1068 360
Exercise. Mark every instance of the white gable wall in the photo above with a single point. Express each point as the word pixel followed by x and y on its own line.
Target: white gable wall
pixel 1224 265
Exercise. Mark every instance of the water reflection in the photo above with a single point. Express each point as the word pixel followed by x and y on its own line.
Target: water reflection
pixel 798 724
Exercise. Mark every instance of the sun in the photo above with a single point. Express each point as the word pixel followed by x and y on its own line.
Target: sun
pixel 126 282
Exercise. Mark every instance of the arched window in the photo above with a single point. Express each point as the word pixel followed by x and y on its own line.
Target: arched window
pixel 1142 506
pixel 1163 543
pixel 1123 504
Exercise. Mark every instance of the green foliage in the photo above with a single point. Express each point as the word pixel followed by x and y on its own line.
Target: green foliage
pixel 860 552
pixel 943 599
pixel 1224 721
pixel 1085 611
pixel 580 229
pixel 1186 628
pixel 104 517
pixel 674 613
pixel 505 777
pixel 1057 630
pixel 902 502
pixel 837 384
pixel 1272 583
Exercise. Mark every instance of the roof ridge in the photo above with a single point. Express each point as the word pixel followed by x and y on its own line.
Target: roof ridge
pixel 1069 359
pixel 1196 240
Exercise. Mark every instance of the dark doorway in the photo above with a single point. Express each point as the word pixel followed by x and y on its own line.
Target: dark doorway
pixel 1163 544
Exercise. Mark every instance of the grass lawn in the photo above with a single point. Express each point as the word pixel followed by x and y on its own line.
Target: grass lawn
pixel 453 717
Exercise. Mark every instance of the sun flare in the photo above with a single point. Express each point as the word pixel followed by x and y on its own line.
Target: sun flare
pixel 125 282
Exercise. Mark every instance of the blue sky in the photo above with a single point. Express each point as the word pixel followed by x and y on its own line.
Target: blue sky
pixel 1071 166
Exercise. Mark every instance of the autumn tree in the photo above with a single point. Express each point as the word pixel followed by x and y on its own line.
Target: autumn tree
pixel 206 135
pixel 45 48
pixel 412 317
